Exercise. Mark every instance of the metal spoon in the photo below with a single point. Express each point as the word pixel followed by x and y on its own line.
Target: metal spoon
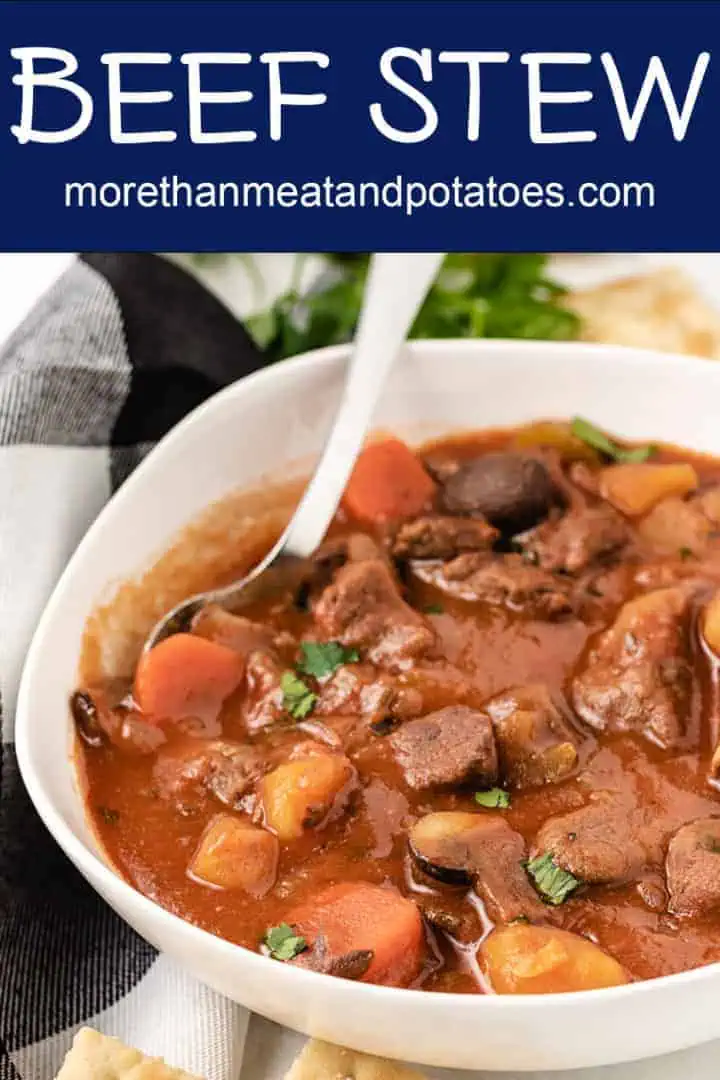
pixel 395 290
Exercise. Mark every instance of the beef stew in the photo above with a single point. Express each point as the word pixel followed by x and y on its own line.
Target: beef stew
pixel 478 751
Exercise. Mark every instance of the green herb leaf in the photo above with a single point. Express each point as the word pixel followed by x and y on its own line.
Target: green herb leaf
pixel 552 882
pixel 494 799
pixel 262 327
pixel 298 699
pixel 686 553
pixel 110 817
pixel 320 658
pixel 596 438
pixel 433 609
pixel 283 942
pixel 476 294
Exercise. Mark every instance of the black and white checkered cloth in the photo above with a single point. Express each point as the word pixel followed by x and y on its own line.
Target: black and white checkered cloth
pixel 117 352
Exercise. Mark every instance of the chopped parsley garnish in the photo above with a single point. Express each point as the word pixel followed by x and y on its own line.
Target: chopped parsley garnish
pixel 110 817
pixel 686 553
pixel 298 699
pixel 283 942
pixel 475 295
pixel 494 799
pixel 552 882
pixel 320 658
pixel 433 609
pixel 596 438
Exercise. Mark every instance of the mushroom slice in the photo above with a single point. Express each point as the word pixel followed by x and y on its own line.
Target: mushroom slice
pixel 479 849
pixel 442 845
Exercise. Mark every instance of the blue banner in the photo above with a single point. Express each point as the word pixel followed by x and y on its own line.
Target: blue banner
pixel 305 125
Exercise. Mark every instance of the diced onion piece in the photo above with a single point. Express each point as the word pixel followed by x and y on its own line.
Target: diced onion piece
pixel 711 624
pixel 301 794
pixel 635 488
pixel 234 854
pixel 526 959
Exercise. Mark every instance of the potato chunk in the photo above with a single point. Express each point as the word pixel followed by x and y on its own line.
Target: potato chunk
pixel 302 794
pixel 636 488
pixel 233 854
pixel 525 959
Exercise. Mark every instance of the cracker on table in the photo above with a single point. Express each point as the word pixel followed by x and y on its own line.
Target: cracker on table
pixel 99 1057
pixel 661 310
pixel 323 1061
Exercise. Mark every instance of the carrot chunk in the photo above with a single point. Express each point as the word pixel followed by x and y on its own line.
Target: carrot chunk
pixel 186 677
pixel 387 483
pixel 359 919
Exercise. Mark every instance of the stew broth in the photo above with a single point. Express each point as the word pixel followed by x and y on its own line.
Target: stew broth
pixel 480 647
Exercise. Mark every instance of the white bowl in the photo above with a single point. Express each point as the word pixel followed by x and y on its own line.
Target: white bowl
pixel 257 427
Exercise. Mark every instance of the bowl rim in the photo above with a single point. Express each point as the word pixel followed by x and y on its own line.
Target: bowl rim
pixel 93 867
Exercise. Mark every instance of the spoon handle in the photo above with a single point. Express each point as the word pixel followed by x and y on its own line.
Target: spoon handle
pixel 397 285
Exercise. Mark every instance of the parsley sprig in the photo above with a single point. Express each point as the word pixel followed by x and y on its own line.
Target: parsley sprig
pixel 494 799
pixel 283 943
pixel 298 699
pixel 596 438
pixel 475 295
pixel 321 658
pixel 318 659
pixel 552 882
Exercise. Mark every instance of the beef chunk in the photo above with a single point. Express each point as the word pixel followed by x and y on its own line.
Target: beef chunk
pixel 507 580
pixel 463 924
pixel 363 608
pixel 511 490
pixel 693 868
pixel 358 690
pixel 536 744
pixel 452 746
pixel 440 468
pixel 581 537
pixel 263 698
pixel 333 553
pixel 343 692
pixel 234 631
pixel 596 843
pixel 639 678
pixel 219 767
pixel 436 537
pixel 260 645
